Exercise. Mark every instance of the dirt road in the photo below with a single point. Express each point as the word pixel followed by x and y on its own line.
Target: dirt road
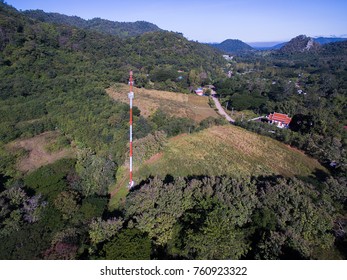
pixel 220 108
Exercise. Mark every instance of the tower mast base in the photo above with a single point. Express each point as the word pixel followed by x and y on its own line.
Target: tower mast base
pixel 131 184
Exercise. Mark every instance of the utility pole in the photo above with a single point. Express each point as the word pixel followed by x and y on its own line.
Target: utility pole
pixel 131 97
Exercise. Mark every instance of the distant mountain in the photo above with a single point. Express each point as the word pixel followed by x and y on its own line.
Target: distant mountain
pixel 320 40
pixel 299 44
pixel 121 29
pixel 327 40
pixel 278 46
pixel 232 46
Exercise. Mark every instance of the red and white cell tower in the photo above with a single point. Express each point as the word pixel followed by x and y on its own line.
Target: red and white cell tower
pixel 131 97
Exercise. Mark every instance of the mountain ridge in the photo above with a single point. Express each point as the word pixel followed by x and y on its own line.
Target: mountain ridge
pixel 328 40
pixel 321 40
pixel 121 29
pixel 301 43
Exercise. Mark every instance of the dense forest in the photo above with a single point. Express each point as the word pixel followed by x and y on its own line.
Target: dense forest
pixel 53 78
pixel 121 29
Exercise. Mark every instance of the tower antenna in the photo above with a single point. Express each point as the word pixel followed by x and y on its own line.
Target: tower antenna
pixel 131 97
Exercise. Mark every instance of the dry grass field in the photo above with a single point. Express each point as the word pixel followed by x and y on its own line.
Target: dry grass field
pixel 37 152
pixel 175 104
pixel 222 150
pixel 229 150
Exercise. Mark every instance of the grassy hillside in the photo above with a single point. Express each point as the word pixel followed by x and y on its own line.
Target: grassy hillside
pixel 228 150
pixel 174 104
pixel 221 150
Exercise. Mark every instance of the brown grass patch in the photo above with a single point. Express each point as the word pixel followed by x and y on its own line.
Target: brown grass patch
pixel 37 153
pixel 229 150
pixel 154 158
pixel 220 150
pixel 175 104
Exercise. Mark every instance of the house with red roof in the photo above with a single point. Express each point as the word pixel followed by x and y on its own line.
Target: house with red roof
pixel 280 120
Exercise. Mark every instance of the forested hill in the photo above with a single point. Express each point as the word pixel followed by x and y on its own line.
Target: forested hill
pixel 301 43
pixel 233 46
pixel 320 40
pixel 149 54
pixel 54 76
pixel 338 49
pixel 121 29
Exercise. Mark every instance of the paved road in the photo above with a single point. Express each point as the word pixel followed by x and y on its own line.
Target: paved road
pixel 220 108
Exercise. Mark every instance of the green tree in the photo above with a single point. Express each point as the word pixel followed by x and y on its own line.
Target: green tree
pixel 193 78
pixel 218 238
pixel 64 245
pixel 182 213
pixel 93 207
pixel 67 202
pixel 100 230
pixel 96 172
pixel 128 244
pixel 303 226
pixel 156 208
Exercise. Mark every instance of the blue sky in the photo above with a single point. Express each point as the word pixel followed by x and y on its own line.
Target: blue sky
pixel 214 20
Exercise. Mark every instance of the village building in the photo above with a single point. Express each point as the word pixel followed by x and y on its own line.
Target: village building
pixel 199 91
pixel 280 120
pixel 228 57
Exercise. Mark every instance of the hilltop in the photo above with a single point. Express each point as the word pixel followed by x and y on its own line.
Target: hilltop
pixel 232 46
pixel 121 29
pixel 216 151
pixel 228 150
pixel 278 45
pixel 299 44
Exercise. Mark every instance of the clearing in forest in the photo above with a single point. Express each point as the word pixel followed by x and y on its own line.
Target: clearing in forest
pixel 174 104
pixel 229 150
pixel 38 151
pixel 225 150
